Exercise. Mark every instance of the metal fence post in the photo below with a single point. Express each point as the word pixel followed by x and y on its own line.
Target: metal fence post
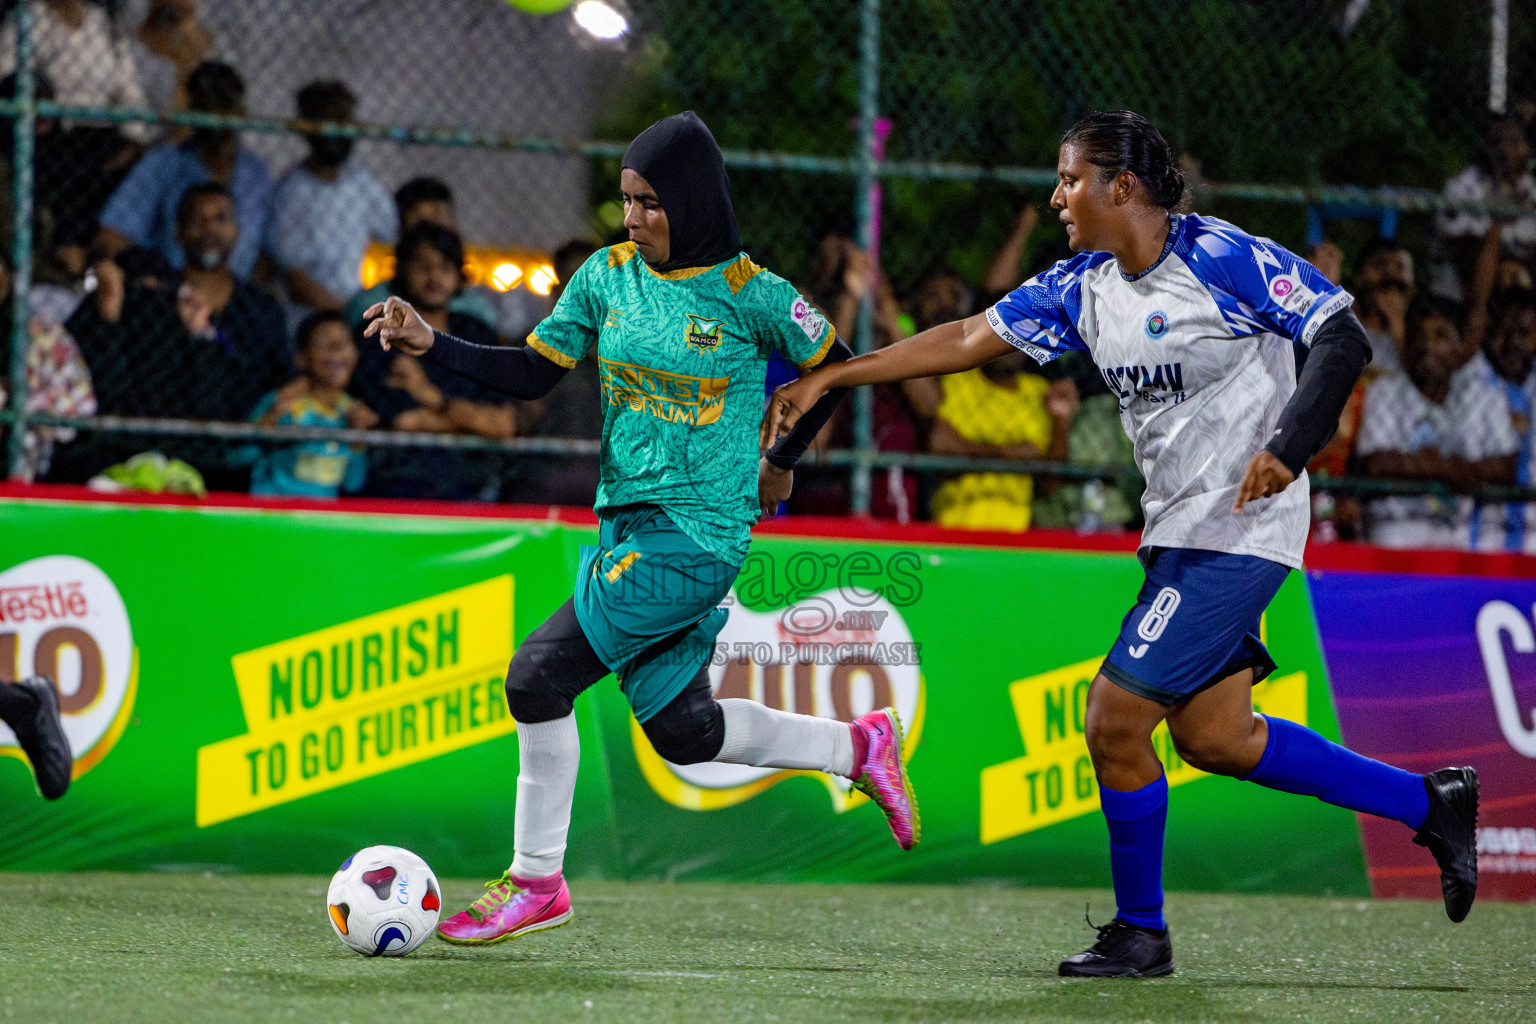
pixel 869 116
pixel 21 255
pixel 1498 56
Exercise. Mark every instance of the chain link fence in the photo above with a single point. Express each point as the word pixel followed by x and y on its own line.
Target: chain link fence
pixel 201 198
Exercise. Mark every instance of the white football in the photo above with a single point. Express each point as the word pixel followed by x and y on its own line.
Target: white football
pixel 384 901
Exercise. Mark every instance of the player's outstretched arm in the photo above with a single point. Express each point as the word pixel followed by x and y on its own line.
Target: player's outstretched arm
pixel 947 348
pixel 518 372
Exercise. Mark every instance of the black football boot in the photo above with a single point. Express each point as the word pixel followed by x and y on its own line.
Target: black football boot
pixel 42 736
pixel 1450 833
pixel 1124 950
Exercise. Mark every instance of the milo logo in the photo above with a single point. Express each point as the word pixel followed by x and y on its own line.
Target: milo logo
pixel 835 654
pixel 62 617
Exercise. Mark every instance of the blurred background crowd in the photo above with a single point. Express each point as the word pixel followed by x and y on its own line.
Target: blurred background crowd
pixel 216 271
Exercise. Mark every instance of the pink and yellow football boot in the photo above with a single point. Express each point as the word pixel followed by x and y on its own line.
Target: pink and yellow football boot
pixel 511 907
pixel 880 775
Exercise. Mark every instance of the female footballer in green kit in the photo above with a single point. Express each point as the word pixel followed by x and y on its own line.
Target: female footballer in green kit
pixel 683 323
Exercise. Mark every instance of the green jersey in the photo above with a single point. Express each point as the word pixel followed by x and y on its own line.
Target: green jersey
pixel 682 356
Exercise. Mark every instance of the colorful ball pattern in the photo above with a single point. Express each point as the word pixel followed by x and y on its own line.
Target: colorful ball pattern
pixel 383 901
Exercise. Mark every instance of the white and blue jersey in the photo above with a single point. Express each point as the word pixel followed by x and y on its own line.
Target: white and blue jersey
pixel 1199 349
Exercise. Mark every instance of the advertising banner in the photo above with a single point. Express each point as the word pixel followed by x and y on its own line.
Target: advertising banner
pixel 266 690
pixel 1436 671
pixel 270 690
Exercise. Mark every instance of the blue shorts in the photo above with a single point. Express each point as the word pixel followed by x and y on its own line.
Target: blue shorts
pixel 1195 623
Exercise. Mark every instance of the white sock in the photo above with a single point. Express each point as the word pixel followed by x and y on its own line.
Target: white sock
pixel 761 736
pixel 548 756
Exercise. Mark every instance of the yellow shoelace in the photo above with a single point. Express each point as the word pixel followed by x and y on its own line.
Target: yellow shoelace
pixel 500 891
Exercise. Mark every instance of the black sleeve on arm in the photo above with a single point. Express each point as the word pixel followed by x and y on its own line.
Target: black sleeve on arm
pixel 1339 353
pixel 518 372
pixel 786 451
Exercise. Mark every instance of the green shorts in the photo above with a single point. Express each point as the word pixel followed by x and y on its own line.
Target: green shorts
pixel 648 599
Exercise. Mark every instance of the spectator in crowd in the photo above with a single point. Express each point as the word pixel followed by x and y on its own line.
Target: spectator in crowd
pixel 1502 177
pixel 841 276
pixel 1505 366
pixel 76 165
pixel 58 381
pixel 53 204
pixel 425 200
pixel 998 411
pixel 81 52
pixel 1492 275
pixel 1431 423
pixel 425 397
pixel 77 47
pixel 325 211
pixel 167 46
pixel 1095 438
pixel 326 356
pixel 937 294
pixel 574 409
pixel 1003 273
pixel 143 209
pixel 513 313
pixel 203 344
pixel 1329 259
pixel 1383 289
pixel 1500 332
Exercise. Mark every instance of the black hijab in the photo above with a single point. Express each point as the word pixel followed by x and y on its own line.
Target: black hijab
pixel 678 157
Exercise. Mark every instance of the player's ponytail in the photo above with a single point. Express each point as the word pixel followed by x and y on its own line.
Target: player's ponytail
pixel 1122 140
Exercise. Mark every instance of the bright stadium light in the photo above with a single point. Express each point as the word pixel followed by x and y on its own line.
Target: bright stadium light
pixel 504 276
pixel 542 280
pixel 600 20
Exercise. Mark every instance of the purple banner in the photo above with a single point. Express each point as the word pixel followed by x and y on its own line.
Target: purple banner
pixel 1434 671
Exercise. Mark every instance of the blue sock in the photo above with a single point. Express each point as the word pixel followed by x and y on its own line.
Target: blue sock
pixel 1298 760
pixel 1136 820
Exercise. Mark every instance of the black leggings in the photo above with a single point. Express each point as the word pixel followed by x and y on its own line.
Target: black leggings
pixel 556 663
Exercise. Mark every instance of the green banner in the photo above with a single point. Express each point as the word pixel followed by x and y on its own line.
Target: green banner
pixel 271 690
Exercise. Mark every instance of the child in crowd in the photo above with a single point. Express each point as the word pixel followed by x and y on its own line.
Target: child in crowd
pixel 326 357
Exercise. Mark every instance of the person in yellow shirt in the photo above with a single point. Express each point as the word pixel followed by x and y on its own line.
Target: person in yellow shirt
pixel 997 411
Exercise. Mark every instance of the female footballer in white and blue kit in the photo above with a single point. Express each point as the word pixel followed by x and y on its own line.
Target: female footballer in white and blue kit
pixel 1192 322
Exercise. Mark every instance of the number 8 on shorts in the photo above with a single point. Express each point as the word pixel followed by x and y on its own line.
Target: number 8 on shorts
pixel 1156 620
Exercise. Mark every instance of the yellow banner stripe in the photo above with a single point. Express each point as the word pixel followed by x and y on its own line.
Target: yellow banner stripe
pixel 245 774
pixel 1054 781
pixel 362 697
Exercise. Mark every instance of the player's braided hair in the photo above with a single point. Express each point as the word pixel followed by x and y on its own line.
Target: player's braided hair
pixel 1123 140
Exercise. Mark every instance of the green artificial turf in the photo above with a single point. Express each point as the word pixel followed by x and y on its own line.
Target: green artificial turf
pixel 162 948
